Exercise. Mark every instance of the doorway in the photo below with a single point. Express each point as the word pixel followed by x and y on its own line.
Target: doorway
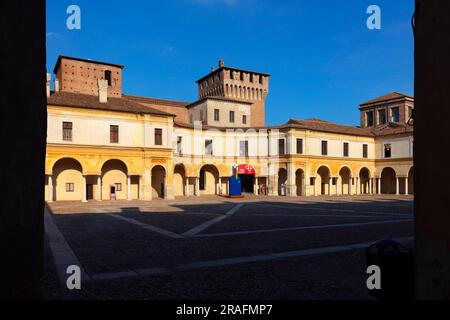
pixel 90 192
pixel 247 183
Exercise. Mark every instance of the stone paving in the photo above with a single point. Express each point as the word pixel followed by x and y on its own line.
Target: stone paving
pixel 212 247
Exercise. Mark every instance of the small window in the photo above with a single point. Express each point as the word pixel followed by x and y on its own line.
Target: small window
pixel 243 148
pixel 387 150
pixel 108 77
pixel 208 147
pixel 324 148
pixel 369 119
pixel 179 145
pixel 231 75
pixel 251 77
pixel 395 114
pixel 232 116
pixel 345 149
pixel 312 181
pixel 114 134
pixel 281 147
pixel 118 187
pixel 244 119
pixel 365 151
pixel 158 137
pixel 261 80
pixel 216 115
pixel 299 146
pixel 242 76
pixel 67 131
pixel 70 187
pixel 382 116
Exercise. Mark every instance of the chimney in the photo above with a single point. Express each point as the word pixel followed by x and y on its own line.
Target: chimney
pixel 49 79
pixel 221 63
pixel 102 90
pixel 57 87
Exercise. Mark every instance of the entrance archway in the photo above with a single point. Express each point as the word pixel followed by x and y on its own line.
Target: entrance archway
pixel 282 180
pixel 300 182
pixel 388 181
pixel 345 176
pixel 364 180
pixel 323 180
pixel 158 182
pixel 114 180
pixel 247 175
pixel 179 180
pixel 209 179
pixel 68 177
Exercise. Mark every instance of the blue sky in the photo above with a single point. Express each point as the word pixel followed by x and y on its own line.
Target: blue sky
pixel 323 60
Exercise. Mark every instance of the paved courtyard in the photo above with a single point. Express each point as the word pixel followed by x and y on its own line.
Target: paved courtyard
pixel 217 248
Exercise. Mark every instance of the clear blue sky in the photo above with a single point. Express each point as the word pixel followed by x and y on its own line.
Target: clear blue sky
pixel 323 59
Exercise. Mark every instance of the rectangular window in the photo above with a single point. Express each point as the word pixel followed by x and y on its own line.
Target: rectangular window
pixel 299 146
pixel 232 116
pixel 410 112
pixel 70 187
pixel 369 119
pixel 67 131
pixel 108 77
pixel 395 114
pixel 345 149
pixel 114 134
pixel 281 147
pixel 365 151
pixel 243 148
pixel 118 187
pixel 382 116
pixel 260 79
pixel 179 145
pixel 244 119
pixel 251 77
pixel 231 75
pixel 216 114
pixel 324 148
pixel 158 137
pixel 208 147
pixel 387 150
pixel 312 181
pixel 242 76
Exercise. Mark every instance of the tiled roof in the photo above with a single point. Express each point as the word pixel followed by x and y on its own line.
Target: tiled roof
pixel 387 97
pixel 325 126
pixel 157 101
pixel 78 100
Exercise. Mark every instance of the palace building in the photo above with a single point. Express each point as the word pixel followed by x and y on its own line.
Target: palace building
pixel 103 144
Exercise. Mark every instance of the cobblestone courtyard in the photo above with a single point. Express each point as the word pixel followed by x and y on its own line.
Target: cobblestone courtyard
pixel 217 248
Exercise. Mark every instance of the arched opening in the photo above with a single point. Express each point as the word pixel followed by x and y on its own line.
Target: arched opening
pixel 282 181
pixel 411 181
pixel 300 182
pixel 68 180
pixel 114 180
pixel 158 182
pixel 323 180
pixel 388 181
pixel 364 180
pixel 179 180
pixel 209 179
pixel 345 176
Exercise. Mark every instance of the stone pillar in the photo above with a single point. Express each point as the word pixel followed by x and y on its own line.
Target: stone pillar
pixel 406 186
pixel 186 187
pixel 128 188
pixel 83 198
pixel 256 187
pixel 291 186
pixel 357 186
pixel 371 186
pixel 50 188
pixel 99 188
pixel 219 186
pixel 197 186
pixel 329 185
pixel 379 185
pixel 350 185
pixel 397 185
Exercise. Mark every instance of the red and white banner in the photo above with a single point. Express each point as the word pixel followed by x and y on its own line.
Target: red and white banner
pixel 245 169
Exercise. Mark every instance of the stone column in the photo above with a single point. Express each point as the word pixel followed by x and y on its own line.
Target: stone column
pixel 50 188
pixel 357 186
pixel 99 188
pixel 406 186
pixel 186 187
pixel 329 185
pixel 371 186
pixel 350 185
pixel 128 188
pixel 219 186
pixel 256 187
pixel 83 198
pixel 379 185
pixel 197 186
pixel 397 185
pixel 291 186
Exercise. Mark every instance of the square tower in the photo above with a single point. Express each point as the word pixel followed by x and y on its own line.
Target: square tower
pixel 237 84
